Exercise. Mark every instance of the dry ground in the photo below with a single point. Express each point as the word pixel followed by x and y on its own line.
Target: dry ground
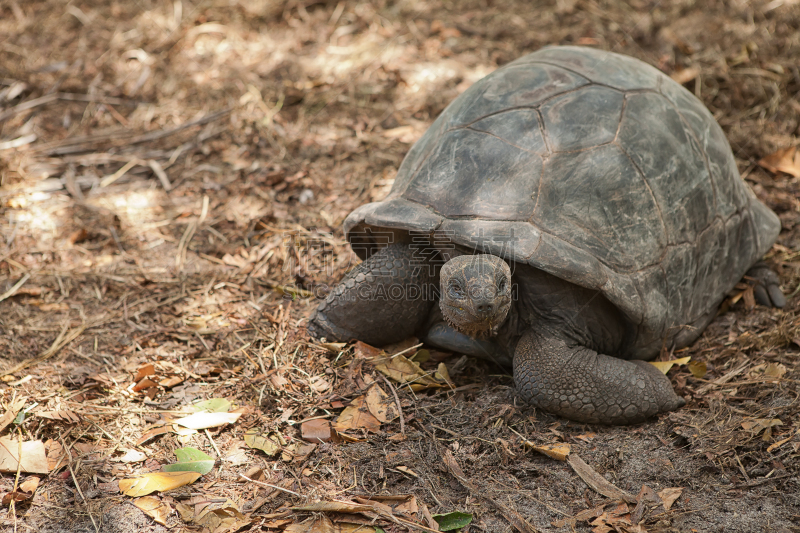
pixel 172 174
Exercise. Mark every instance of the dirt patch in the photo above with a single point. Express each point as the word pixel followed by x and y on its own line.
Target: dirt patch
pixel 173 179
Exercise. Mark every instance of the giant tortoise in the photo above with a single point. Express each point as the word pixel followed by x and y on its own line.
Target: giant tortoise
pixel 577 211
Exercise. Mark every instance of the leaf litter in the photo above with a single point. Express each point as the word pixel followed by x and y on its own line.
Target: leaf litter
pixel 172 187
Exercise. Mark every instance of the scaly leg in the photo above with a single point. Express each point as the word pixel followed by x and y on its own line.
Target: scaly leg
pixel 383 300
pixel 580 384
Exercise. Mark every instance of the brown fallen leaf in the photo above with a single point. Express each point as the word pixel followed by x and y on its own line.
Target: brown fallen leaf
pixel 143 371
pixel 220 516
pixel 617 519
pixel 318 430
pixel 402 370
pixel 583 515
pixel 34 457
pixel 380 405
pixel 362 349
pixel 669 495
pixel 357 416
pixel 56 458
pixel 170 381
pixel 407 470
pixel 156 481
pixel 597 482
pixel 785 160
pixel 11 411
pixel 756 425
pixel 153 432
pixel 154 508
pixel 270 444
pixel 698 368
pixel 558 451
pixel 30 484
pixel 63 415
pixel 15 496
pixel 778 444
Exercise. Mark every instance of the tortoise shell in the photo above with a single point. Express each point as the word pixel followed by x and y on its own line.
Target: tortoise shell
pixel 594 167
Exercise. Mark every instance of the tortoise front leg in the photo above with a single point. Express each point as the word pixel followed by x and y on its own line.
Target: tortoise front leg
pixel 383 300
pixel 580 384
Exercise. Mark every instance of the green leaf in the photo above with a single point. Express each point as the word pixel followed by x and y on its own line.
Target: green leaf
pixel 452 521
pixel 213 405
pixel 191 460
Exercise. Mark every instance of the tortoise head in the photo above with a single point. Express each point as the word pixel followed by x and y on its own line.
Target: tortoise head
pixel 475 293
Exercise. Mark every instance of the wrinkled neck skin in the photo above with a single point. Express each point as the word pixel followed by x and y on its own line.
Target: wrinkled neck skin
pixel 537 302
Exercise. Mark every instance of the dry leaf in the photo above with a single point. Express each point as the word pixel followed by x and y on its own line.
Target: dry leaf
pixel 156 481
pixel 698 368
pixel 207 420
pixel 170 381
pixel 362 349
pixel 224 516
pixel 380 405
pixel 144 371
pixel 34 457
pixel 154 508
pixel 271 444
pixel 403 371
pixel 63 415
pixel 318 430
pixel 785 160
pixel 756 425
pixel 597 482
pixel 669 495
pixel 357 416
pixel 56 458
pixel 778 444
pixel 664 366
pixel 11 411
pixel 153 432
pixel 132 456
pixel 558 451
pixel 407 470
pixel 30 484
pixel 318 524
pixel 145 384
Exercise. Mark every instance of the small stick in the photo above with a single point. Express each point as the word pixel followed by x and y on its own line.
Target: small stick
pixel 213 444
pixel 13 290
pixel 406 350
pixel 396 401
pixel 267 485
pixel 77 485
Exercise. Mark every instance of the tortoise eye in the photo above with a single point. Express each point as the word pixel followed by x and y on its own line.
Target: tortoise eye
pixel 455 290
pixel 501 285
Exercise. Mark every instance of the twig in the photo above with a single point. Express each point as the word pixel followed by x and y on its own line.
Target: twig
pixel 405 351
pixel 10 292
pixel 267 485
pixel 73 145
pixel 213 444
pixel 52 97
pixel 597 482
pixel 397 401
pixel 511 515
pixel 78 485
pixel 62 340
